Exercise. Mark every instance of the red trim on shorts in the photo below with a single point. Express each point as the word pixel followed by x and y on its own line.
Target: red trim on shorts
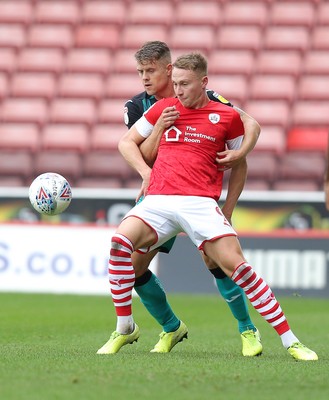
pixel 212 240
pixel 156 234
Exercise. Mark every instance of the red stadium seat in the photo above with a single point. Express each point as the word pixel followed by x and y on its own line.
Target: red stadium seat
pixel 269 112
pixel 89 61
pixel 8 60
pixel 312 139
pixel 99 183
pixel 133 183
pixel 279 62
pixel 32 84
pixel 13 12
pixel 77 111
pixel 323 14
pixel 296 185
pixel 100 164
pixel 262 165
pixel 301 165
pixel 290 13
pixel 122 86
pixel 57 12
pixel 4 85
pixel 12 35
pixel 320 38
pixel 53 36
pixel 24 110
pixel 81 85
pixel 310 113
pixel 316 62
pixel 124 61
pixel 147 12
pixel 72 137
pixel 111 111
pixel 257 185
pixel 104 12
pixel 272 87
pixel 271 140
pixel 231 62
pixel 287 38
pixel 239 38
pixel 314 87
pixel 245 13
pixel 134 36
pixel 15 164
pixel 198 13
pixel 106 136
pixel 11 181
pixel 19 137
pixel 232 87
pixel 66 163
pixel 41 60
pixel 196 38
pixel 97 36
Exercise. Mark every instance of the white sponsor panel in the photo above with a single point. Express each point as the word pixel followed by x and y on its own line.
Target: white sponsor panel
pixel 55 259
pixel 290 269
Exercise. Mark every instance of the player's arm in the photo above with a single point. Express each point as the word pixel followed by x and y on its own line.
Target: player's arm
pixel 228 158
pixel 149 147
pixel 326 180
pixel 130 150
pixel 236 184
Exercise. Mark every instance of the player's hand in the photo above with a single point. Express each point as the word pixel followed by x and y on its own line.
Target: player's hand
pixel 145 185
pixel 228 159
pixel 168 117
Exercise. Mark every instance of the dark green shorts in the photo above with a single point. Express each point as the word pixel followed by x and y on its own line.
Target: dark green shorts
pixel 166 247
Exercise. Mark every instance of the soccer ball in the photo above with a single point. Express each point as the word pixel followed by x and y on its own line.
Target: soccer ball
pixel 50 193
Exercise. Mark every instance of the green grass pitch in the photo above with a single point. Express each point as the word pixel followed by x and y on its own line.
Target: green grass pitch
pixel 48 347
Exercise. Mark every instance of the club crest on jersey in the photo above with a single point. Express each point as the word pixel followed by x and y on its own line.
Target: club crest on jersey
pixel 172 134
pixel 214 118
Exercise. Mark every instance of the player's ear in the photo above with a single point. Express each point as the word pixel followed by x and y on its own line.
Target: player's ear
pixel 169 69
pixel 204 81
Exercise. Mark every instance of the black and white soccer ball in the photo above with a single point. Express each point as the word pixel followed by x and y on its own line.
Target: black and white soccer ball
pixel 50 193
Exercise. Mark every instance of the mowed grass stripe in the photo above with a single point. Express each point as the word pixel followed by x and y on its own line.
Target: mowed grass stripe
pixel 48 347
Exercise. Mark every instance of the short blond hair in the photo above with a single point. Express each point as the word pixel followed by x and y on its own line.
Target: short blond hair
pixel 195 62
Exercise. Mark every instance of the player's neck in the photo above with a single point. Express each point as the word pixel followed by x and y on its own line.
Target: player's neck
pixel 168 92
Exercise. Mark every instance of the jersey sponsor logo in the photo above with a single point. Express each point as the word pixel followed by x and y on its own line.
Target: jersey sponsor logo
pixel 214 118
pixel 172 134
pixel 220 98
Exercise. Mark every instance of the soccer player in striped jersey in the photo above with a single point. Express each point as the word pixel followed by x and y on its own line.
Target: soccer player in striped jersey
pixel 154 67
pixel 181 193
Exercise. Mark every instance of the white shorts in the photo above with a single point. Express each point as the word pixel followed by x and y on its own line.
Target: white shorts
pixel 199 217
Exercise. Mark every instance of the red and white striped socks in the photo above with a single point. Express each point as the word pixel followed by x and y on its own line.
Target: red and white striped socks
pixel 122 279
pixel 264 301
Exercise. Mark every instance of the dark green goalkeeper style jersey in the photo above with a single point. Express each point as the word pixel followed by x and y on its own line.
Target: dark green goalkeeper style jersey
pixel 135 108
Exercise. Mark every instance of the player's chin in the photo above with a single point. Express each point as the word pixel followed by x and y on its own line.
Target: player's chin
pixel 149 90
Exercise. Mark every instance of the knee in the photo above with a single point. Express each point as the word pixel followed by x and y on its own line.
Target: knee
pixel 209 262
pixel 140 263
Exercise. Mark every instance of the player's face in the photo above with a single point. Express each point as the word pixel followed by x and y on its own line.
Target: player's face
pixel 189 87
pixel 156 78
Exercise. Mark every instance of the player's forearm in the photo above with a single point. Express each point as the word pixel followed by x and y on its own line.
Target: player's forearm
pixel 251 132
pixel 236 184
pixel 149 147
pixel 130 151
